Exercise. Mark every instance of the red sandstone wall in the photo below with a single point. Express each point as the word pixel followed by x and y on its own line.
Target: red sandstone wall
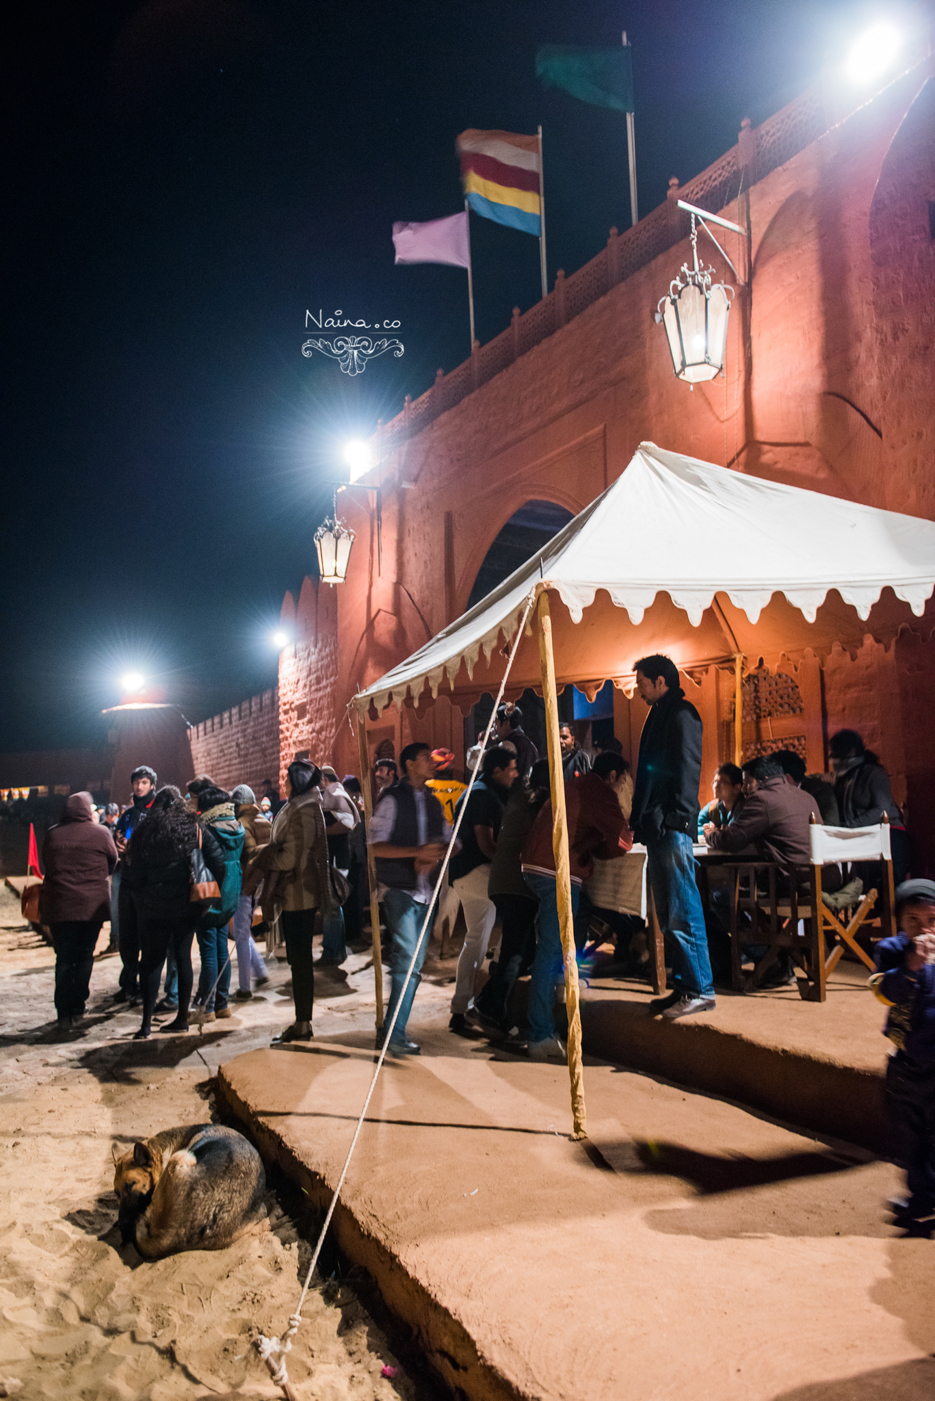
pixel 828 387
pixel 241 745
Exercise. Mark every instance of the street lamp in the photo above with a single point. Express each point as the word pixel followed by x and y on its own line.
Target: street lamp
pixel 133 681
pixel 333 543
pixel 694 314
pixel 280 639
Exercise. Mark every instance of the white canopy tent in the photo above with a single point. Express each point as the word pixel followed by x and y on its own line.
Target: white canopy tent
pixel 752 566
pixel 686 558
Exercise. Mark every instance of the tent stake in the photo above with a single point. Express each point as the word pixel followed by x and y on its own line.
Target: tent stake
pixel 371 869
pixel 562 870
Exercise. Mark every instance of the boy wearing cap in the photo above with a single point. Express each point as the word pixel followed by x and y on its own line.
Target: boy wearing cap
pixel 905 983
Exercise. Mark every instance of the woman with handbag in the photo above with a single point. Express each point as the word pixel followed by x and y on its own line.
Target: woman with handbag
pixel 299 875
pixel 74 901
pixel 159 871
pixel 217 816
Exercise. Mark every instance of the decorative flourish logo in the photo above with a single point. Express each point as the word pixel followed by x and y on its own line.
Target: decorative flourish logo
pixel 351 352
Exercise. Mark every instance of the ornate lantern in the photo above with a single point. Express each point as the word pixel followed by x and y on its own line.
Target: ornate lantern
pixel 333 543
pixel 695 316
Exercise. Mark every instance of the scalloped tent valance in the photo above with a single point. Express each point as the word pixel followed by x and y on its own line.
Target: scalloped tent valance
pixel 697 561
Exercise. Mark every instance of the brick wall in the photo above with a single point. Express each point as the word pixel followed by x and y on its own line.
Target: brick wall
pixel 241 745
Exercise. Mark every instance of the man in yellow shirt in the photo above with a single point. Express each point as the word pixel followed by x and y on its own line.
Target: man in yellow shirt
pixel 444 785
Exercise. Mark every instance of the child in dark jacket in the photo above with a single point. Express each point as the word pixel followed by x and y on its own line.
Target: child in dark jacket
pixel 905 982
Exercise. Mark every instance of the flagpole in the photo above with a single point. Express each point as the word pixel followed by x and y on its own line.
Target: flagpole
pixel 543 270
pixel 631 154
pixel 470 275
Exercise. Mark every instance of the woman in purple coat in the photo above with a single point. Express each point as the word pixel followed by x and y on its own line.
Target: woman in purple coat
pixel 78 856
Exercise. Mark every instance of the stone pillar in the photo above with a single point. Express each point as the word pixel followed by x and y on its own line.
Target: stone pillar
pixel 613 260
pixel 151 734
pixel 673 211
pixel 560 298
pixel 746 153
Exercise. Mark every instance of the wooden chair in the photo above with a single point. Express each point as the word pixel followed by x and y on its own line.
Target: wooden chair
pixel 786 911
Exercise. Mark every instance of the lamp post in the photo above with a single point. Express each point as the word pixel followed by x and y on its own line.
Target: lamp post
pixel 694 314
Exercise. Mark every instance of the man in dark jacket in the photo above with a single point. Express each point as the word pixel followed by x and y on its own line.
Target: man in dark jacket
pixel 664 818
pixel 862 788
pixel 78 856
pixel 596 827
pixel 143 784
pixel 574 760
pixel 408 835
pixel 509 730
pixel 774 820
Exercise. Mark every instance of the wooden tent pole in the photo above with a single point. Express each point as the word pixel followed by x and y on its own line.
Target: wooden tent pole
pixel 562 870
pixel 738 707
pixel 371 868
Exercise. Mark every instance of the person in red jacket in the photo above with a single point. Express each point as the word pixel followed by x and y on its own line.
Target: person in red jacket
pixel 78 856
pixel 596 827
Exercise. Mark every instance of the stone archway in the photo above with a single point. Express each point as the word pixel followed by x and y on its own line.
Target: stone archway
pixel 526 531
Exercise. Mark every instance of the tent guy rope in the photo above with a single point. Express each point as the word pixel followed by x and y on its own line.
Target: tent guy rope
pixel 273 1351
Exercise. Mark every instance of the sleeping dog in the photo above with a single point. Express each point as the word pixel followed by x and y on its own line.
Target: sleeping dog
pixel 195 1188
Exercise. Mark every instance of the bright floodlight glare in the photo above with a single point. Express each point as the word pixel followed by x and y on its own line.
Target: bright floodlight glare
pixel 873 52
pixel 280 639
pixel 358 457
pixel 133 681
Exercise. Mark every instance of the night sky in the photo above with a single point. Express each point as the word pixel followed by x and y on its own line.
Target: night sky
pixel 187 178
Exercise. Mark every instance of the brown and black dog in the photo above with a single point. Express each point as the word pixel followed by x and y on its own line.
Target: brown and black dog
pixel 193 1188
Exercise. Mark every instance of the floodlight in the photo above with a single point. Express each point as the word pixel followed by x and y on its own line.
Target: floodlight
pixel 280 639
pixel 133 681
pixel 873 52
pixel 358 457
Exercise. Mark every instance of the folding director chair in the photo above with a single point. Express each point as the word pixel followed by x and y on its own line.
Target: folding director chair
pixel 786 910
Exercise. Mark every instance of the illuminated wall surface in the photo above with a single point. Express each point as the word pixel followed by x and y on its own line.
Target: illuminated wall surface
pixel 829 386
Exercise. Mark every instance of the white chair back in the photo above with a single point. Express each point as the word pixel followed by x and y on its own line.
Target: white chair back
pixel 830 845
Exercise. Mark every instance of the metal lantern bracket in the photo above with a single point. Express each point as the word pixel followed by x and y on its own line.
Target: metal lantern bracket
pixel 702 215
pixel 360 486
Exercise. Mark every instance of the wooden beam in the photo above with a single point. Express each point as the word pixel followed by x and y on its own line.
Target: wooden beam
pixel 562 869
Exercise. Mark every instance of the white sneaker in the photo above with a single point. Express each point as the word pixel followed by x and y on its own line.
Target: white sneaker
pixel 553 1050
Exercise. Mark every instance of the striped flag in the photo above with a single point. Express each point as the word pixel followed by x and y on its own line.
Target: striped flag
pixel 501 175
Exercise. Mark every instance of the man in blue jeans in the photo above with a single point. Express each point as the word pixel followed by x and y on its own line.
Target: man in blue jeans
pixel 596 827
pixel 664 818
pixel 409 836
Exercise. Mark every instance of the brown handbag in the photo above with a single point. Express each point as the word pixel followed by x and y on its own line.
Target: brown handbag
pixel 204 888
pixel 29 900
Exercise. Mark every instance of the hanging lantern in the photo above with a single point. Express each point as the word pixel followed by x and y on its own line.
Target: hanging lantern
pixel 333 543
pixel 695 316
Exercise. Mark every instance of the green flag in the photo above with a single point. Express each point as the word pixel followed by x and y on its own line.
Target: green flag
pixel 603 77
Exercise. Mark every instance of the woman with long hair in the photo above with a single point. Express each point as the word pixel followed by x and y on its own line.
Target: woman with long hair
pixel 158 872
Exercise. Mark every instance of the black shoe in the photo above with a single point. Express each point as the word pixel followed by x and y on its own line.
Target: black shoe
pixel 262 981
pixel 177 1025
pixel 143 1034
pixel 243 995
pixel 660 1004
pixel 295 1032
pixel 164 1005
pixel 403 1048
pixel 120 996
pixel 458 1024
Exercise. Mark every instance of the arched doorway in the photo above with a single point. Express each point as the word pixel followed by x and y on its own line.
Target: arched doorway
pixel 527 530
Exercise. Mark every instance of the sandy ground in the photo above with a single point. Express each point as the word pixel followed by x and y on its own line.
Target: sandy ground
pixel 85 1317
